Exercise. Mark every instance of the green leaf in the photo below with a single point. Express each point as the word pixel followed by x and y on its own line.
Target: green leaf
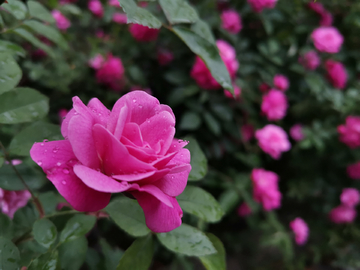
pixel 228 200
pixel 212 123
pixel 112 255
pixel 37 10
pixel 215 261
pixel 198 161
pixel 10 73
pixel 70 8
pixel 139 255
pixel 24 219
pixel 203 30
pixel 190 121
pixel 16 8
pixel 22 105
pixel 72 254
pixel 208 52
pixel 139 15
pixel 6 226
pixel 9 256
pixel 33 40
pixel 77 226
pixel 200 203
pixel 47 261
pixel 47 31
pixel 11 48
pixel 128 215
pixel 178 11
pixel 2 160
pixel 187 240
pixel 49 200
pixel 45 232
pixel 36 132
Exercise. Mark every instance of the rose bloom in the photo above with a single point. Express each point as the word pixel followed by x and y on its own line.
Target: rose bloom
pixel 143 33
pixel 326 19
pixel 353 171
pixel 265 189
pixel 128 149
pixel 114 3
pixel 350 197
pixel 336 73
pixel 273 140
pixel 310 60
pixel 274 105
pixel 237 92
pixel 300 229
pixel 350 132
pixel 247 132
pixel 11 201
pixel 96 62
pixel 244 210
pixel 111 73
pixel 259 5
pixel 119 18
pixel 342 214
pixel 61 21
pixel 281 82
pixel 296 132
pixel 327 39
pixel 164 57
pixel 231 21
pixel 201 74
pixel 264 87
pixel 96 8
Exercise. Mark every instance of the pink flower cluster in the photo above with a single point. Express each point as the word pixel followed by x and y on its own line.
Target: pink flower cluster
pixel 265 189
pixel 273 140
pixel 11 201
pixel 143 33
pixel 300 229
pixel 296 132
pixel 274 105
pixel 326 17
pixel 281 82
pixel 336 73
pixel 310 60
pixel 96 8
pixel 353 170
pixel 327 39
pixel 201 74
pixel 61 21
pixel 231 21
pixel 346 212
pixel 350 132
pixel 119 18
pixel 259 5
pixel 114 3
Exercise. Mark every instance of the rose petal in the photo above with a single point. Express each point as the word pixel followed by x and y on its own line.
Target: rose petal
pixel 176 145
pixel 161 162
pixel 115 114
pixel 133 177
pixel 65 122
pixel 120 124
pixel 99 111
pixel 154 191
pixel 133 133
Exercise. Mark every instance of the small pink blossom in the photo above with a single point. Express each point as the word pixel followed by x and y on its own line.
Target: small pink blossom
pixel 327 39
pixel 164 57
pixel 264 87
pixel 336 73
pixel 265 189
pixel 101 34
pixel 350 197
pixel 326 19
pixel 296 132
pixel 273 140
pixel 231 21
pixel 63 2
pixel 353 170
pixel 342 214
pixel 114 3
pixel 317 7
pixel 14 162
pixel 143 33
pixel 96 62
pixel 281 82
pixel 62 113
pixel 237 92
pixel 96 8
pixel 11 201
pixel 259 5
pixel 61 21
pixel 310 60
pixel 300 229
pixel 111 73
pixel 274 105
pixel 119 18
pixel 247 132
pixel 244 210
pixel 350 132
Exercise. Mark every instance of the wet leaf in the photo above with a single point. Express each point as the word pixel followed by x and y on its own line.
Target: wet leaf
pixel 9 256
pixel 16 8
pixel 45 232
pixel 198 161
pixel 37 10
pixel 77 226
pixel 179 11
pixel 215 261
pixel 10 72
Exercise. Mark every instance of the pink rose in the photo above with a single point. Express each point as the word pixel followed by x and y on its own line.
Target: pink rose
pixel 131 148
pixel 201 74
pixel 317 7
pixel 342 214
pixel 264 87
pixel 96 8
pixel 350 197
pixel 143 33
pixel 61 21
pixel 62 113
pixel 326 19
pixel 296 132
pixel 96 62
pixel 114 3
pixel 164 57
pixel 273 140
pixel 11 201
pixel 274 105
pixel 237 92
pixel 353 170
pixel 350 132
pixel 247 132
pixel 231 21
pixel 119 18
pixel 111 73
pixel 265 189
pixel 336 73
pixel 244 210
pixel 259 5
pixel 327 39
pixel 281 82
pixel 300 229
pixel 310 60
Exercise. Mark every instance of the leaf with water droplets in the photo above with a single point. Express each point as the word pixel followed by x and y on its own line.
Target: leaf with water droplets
pixel 72 253
pixel 22 105
pixel 10 72
pixel 9 255
pixel 45 232
pixel 187 240
pixel 198 161
pixel 47 261
pixel 77 226
pixel 179 11
pixel 16 8
pixel 215 261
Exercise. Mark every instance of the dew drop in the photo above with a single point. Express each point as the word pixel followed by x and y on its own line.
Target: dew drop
pixel 66 171
pixel 55 150
pixel 42 144
pixel 180 141
pixel 45 140
pixel 134 100
pixel 59 163
pixel 63 182
pixel 39 163
pixel 140 106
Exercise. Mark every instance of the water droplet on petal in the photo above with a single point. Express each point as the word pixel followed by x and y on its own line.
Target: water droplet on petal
pixel 59 163
pixel 45 140
pixel 180 141
pixel 134 100
pixel 42 144
pixel 140 106
pixel 63 182
pixel 39 163
pixel 66 171
pixel 56 149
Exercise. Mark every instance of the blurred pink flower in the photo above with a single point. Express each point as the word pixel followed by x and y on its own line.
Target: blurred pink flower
pixel 114 3
pixel 244 210
pixel 273 140
pixel 350 132
pixel 264 87
pixel 342 214
pixel 350 197
pixel 164 57
pixel 326 19
pixel 111 73
pixel 119 18
pixel 96 8
pixel 281 82
pixel 265 188
pixel 300 229
pixel 11 201
pixel 274 105
pixel 62 113
pixel 63 2
pixel 336 73
pixel 14 162
pixel 327 39
pixel 353 170
pixel 317 7
pixel 61 21
pixel 201 74
pixel 237 92
pixel 97 61
pixel 310 60
pixel 143 33
pixel 296 132
pixel 259 5
pixel 247 132
pixel 231 21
